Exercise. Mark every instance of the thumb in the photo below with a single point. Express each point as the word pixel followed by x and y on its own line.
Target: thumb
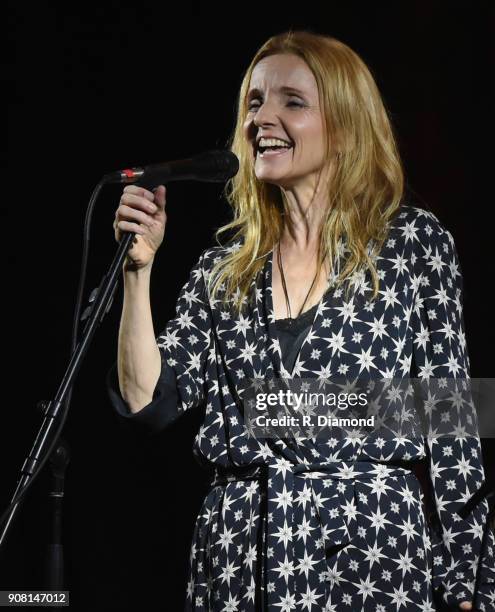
pixel 160 196
pixel 466 605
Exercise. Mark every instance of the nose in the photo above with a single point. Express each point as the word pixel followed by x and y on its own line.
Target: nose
pixel 265 115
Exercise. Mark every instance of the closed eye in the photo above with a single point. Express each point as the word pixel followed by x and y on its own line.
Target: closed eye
pixel 291 103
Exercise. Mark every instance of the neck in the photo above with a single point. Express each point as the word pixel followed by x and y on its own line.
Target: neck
pixel 305 209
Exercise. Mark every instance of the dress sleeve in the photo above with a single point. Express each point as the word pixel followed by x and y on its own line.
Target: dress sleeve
pixel 184 344
pixel 156 415
pixel 441 365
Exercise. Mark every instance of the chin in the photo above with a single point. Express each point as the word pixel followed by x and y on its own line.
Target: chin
pixel 270 174
pixel 267 177
pixel 273 175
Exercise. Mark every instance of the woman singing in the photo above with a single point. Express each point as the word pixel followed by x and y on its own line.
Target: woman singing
pixel 334 524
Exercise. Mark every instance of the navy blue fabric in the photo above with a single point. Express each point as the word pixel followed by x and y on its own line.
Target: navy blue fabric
pixel 155 416
pixel 338 523
pixel 162 411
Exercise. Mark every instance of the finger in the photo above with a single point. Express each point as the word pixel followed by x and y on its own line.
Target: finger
pixel 137 201
pixel 129 226
pixel 466 605
pixel 140 191
pixel 132 214
pixel 160 196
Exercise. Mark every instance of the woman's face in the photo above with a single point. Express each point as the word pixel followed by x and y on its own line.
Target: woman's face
pixel 283 103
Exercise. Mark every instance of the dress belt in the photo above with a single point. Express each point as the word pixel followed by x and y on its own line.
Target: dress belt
pixel 336 515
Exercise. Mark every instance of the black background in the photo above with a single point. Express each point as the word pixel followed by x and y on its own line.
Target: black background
pixel 93 88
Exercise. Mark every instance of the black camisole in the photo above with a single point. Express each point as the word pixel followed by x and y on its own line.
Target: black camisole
pixel 291 336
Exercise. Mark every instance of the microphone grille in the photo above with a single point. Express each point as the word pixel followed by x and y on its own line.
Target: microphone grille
pixel 218 165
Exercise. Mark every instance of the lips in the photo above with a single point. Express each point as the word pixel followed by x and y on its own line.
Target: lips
pixel 273 153
pixel 256 143
pixel 270 153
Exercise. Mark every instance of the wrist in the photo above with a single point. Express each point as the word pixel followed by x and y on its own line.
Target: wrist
pixel 131 268
pixel 136 274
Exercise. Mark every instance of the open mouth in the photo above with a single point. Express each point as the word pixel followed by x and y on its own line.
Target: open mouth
pixel 272 151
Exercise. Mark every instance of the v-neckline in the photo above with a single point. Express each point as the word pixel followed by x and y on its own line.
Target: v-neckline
pixel 284 323
pixel 272 320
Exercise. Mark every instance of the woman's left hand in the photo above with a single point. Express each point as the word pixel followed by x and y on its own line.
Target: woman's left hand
pixel 466 605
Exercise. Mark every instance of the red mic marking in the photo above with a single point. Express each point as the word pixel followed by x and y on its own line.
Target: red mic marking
pixel 129 173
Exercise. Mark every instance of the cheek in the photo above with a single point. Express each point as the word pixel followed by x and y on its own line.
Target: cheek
pixel 309 135
pixel 247 129
pixel 310 146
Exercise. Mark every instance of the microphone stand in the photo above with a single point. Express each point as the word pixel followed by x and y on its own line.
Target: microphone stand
pixel 211 167
pixel 100 307
pixel 59 460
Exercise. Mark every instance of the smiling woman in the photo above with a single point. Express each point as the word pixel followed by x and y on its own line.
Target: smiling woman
pixel 295 523
pixel 333 172
pixel 302 128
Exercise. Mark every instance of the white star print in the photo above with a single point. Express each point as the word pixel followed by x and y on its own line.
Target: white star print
pixel 414 328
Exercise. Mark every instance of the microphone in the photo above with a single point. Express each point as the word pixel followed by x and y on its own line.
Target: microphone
pixel 211 167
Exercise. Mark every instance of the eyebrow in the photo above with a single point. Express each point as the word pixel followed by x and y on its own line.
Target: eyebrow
pixel 283 89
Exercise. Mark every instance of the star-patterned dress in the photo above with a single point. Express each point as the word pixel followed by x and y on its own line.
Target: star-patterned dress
pixel 336 524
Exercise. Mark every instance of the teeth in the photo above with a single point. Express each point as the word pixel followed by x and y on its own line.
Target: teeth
pixel 273 142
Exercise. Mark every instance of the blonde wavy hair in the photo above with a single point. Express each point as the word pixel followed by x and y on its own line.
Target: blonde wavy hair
pixel 366 187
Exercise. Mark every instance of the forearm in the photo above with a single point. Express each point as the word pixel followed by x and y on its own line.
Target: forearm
pixel 139 359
